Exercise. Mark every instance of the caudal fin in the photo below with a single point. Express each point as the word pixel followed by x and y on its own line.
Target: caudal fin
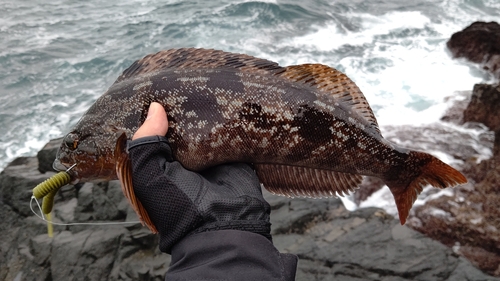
pixel 420 169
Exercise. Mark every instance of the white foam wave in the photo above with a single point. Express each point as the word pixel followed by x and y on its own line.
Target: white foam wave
pixel 404 77
pixel 332 37
pixel 398 59
pixel 492 3
pixel 381 199
pixel 384 199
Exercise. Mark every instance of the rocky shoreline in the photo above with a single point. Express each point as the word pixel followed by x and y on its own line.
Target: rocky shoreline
pixel 331 242
pixel 452 237
pixel 470 218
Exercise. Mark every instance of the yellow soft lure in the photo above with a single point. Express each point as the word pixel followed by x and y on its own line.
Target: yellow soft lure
pixel 47 190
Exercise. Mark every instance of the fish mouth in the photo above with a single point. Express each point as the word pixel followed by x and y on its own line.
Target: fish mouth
pixel 58 166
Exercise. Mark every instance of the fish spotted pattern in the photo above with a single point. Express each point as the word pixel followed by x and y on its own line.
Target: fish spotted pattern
pixel 308 129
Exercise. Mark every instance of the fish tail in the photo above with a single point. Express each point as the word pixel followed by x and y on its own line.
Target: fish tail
pixel 407 180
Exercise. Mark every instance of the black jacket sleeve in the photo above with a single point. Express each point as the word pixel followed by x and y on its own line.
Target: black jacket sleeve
pixel 229 255
pixel 214 223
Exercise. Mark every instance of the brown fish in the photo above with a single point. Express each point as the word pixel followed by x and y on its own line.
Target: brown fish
pixel 307 129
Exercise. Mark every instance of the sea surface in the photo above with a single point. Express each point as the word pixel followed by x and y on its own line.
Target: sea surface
pixel 58 57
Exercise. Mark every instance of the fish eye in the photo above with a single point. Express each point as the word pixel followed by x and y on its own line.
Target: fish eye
pixel 71 141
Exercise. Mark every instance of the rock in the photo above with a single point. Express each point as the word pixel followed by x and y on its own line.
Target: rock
pixel 82 253
pixel 10 258
pixel 66 211
pixel 292 215
pixel 484 107
pixel 479 43
pixel 142 265
pixel 439 139
pixel 368 186
pixel 17 181
pixel 40 249
pixel 332 243
pixel 468 219
pixel 100 202
pixel 459 102
pixel 47 155
pixel 461 222
pixel 86 255
pixel 368 244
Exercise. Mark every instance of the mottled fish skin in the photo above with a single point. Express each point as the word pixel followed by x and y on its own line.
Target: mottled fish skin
pixel 220 109
pixel 307 128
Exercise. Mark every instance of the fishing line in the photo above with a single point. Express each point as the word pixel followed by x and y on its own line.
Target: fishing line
pixel 42 217
pixel 47 190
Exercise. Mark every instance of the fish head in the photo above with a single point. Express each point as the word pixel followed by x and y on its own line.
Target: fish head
pixel 89 148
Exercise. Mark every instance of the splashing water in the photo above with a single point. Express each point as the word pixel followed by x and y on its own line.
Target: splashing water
pixel 58 57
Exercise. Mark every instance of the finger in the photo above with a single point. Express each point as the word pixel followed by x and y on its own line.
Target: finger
pixel 156 122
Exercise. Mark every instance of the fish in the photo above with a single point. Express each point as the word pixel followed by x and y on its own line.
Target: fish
pixel 307 129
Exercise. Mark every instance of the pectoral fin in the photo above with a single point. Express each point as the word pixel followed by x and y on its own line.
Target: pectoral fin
pixel 295 181
pixel 124 173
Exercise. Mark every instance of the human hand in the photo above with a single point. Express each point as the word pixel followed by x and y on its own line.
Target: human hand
pixel 156 122
pixel 182 202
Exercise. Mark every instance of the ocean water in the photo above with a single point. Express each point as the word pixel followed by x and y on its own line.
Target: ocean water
pixel 58 56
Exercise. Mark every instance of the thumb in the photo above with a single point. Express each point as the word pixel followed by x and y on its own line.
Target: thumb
pixel 156 122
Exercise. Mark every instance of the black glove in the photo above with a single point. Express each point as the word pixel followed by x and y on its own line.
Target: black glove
pixel 181 202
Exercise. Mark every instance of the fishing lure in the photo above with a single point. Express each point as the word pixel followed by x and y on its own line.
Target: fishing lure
pixel 47 190
pixel 48 202
pixel 51 185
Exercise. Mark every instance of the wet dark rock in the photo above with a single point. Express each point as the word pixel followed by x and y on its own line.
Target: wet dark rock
pixel 17 181
pixel 463 145
pixel 47 155
pixel 368 186
pixel 461 221
pixel 479 43
pixel 79 252
pixel 468 219
pixel 331 242
pixel 459 102
pixel 85 255
pixel 484 107
pixel 369 244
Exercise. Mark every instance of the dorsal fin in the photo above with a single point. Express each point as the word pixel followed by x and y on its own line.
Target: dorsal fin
pixel 333 84
pixel 192 58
